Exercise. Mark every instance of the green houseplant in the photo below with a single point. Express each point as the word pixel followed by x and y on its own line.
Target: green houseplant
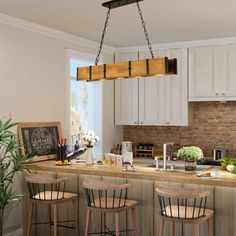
pixel 190 155
pixel 10 162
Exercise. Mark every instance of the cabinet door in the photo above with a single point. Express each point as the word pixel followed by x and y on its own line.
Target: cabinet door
pixel 151 98
pixel 126 96
pixel 204 79
pixel 176 96
pixel 228 71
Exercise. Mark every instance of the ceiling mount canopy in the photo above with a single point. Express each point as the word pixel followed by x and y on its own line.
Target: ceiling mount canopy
pixel 130 69
pixel 118 3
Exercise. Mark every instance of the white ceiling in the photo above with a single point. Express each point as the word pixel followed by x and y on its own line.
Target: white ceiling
pixel 166 20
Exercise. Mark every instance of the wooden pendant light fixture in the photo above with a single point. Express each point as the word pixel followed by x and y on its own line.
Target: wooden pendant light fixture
pixel 130 69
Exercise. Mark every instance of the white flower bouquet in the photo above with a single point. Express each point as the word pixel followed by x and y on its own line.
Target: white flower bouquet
pixel 90 139
pixel 190 153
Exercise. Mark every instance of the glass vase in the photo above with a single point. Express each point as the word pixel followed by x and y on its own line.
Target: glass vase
pixel 190 165
pixel 89 159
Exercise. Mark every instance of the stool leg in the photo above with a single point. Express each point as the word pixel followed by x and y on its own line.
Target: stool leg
pixel 29 218
pixel 55 219
pixel 197 230
pixel 162 222
pixel 173 229
pixel 75 211
pixel 103 228
pixel 88 219
pixel 209 226
pixel 50 219
pixel 117 216
pixel 134 221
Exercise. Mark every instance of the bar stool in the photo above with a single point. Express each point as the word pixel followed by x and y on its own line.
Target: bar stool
pixel 107 197
pixel 186 206
pixel 45 189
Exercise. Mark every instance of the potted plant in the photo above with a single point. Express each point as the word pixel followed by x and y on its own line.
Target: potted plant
pixel 190 155
pixel 89 140
pixel 10 162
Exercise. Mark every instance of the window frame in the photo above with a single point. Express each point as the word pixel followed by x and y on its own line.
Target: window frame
pixel 98 114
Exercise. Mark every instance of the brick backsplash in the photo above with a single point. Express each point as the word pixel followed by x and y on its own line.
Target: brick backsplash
pixel 213 126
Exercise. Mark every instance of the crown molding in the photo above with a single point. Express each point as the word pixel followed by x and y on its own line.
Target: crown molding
pixel 183 44
pixel 76 53
pixel 27 25
pixel 30 26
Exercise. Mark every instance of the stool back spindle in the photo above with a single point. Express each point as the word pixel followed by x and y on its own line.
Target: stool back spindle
pixel 182 203
pixel 45 188
pixel 100 194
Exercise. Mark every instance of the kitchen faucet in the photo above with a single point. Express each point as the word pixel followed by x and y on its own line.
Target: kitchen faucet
pixel 165 153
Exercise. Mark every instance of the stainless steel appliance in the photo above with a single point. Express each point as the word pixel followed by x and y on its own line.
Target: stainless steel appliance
pixel 219 153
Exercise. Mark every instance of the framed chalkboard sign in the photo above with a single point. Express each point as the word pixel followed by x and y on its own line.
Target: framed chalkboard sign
pixel 39 139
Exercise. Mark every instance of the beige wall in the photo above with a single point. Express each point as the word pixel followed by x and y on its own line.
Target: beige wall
pixel 33 75
pixel 34 86
pixel 111 134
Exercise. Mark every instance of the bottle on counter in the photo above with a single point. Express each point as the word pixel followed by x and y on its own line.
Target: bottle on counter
pixel 58 156
pixel 76 145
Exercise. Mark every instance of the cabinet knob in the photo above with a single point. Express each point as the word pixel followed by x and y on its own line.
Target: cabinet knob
pixel 223 94
pixel 135 122
pixel 141 122
pixel 217 94
pixel 167 122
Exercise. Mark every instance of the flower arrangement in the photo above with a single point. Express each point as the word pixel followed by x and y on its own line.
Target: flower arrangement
pixel 190 153
pixel 90 139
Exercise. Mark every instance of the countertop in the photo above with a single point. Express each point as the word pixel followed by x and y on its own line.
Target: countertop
pixel 145 173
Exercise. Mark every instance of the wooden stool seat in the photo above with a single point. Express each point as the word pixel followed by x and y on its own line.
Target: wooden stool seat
pixel 44 189
pixel 190 213
pixel 112 205
pixel 108 198
pixel 186 206
pixel 54 196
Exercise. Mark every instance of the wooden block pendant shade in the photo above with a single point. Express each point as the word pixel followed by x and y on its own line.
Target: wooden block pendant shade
pixel 130 69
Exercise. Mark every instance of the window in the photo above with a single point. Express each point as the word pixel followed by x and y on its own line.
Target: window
pixel 85 101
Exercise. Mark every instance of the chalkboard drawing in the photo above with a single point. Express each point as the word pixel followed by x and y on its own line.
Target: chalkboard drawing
pixel 39 139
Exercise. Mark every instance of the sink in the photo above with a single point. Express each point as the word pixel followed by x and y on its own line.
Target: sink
pixel 180 168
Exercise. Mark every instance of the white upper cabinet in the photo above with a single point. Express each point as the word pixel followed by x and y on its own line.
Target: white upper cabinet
pixel 155 100
pixel 163 100
pixel 176 91
pixel 212 73
pixel 126 96
pixel 228 71
pixel 151 98
pixel 201 72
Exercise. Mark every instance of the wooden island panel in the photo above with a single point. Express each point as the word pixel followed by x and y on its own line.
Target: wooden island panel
pixel 225 211
pixel 142 191
pixel 143 184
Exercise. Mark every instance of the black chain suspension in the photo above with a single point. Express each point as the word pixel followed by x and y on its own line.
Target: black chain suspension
pixel 105 27
pixel 103 35
pixel 145 30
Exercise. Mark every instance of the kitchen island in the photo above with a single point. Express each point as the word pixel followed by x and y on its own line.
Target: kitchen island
pixel 143 183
